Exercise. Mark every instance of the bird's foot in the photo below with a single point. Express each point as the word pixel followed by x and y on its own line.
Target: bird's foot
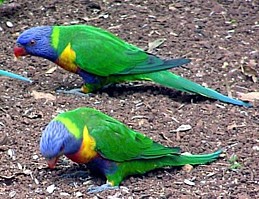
pixel 104 187
pixel 75 91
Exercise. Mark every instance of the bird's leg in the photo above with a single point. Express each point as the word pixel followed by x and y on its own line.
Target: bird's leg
pixel 104 187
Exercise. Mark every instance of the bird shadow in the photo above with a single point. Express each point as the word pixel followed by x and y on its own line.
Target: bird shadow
pixel 124 90
pixel 83 173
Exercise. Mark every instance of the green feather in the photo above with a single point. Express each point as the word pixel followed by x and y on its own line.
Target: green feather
pixel 171 80
pixel 102 53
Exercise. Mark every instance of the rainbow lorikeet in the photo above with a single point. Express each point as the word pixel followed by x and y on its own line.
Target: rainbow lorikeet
pixel 101 58
pixel 14 76
pixel 86 135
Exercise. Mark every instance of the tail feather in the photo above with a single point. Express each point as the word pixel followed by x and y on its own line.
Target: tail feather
pixel 141 166
pixel 194 159
pixel 15 76
pixel 171 80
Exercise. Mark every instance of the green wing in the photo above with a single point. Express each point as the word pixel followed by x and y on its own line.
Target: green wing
pixel 117 142
pixel 102 53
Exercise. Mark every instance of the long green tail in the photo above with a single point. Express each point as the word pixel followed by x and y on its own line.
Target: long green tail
pixel 142 166
pixel 180 160
pixel 15 76
pixel 193 159
pixel 171 80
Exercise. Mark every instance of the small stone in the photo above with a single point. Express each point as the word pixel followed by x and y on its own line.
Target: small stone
pixel 36 181
pixel 11 153
pixel 256 148
pixel 19 166
pixel 78 194
pixel 51 188
pixel 74 22
pixel 12 194
pixel 27 172
pixel 105 16
pixel 9 24
pixel 64 194
pixel 211 174
pixel 35 157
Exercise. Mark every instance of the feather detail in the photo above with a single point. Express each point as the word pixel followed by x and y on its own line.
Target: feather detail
pixel 67 59
pixel 86 152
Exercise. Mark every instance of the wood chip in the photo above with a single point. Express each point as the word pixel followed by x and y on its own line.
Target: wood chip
pixel 51 70
pixel 154 44
pixel 188 168
pixel 41 95
pixel 249 96
pixel 188 182
pixel 183 127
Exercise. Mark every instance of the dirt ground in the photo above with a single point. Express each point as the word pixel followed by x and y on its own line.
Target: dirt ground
pixel 219 37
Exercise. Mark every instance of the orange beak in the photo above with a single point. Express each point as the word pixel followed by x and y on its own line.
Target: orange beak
pixel 52 162
pixel 19 51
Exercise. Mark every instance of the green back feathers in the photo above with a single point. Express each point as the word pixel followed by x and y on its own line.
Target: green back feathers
pixel 101 53
pixel 114 140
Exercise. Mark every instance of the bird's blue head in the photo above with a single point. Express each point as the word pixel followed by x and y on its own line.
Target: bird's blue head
pixel 36 41
pixel 56 141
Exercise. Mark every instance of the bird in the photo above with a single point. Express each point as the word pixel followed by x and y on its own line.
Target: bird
pixel 109 147
pixel 101 58
pixel 14 76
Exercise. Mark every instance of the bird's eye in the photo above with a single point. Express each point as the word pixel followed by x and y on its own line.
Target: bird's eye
pixel 32 42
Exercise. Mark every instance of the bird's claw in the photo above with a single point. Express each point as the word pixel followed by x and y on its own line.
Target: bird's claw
pixel 104 187
pixel 75 91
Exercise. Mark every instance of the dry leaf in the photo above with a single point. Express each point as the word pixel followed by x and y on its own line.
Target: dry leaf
pixel 225 64
pixel 183 127
pixel 154 44
pixel 41 95
pixel 188 168
pixel 51 70
pixel 191 183
pixel 172 7
pixel 249 96
pixel 235 126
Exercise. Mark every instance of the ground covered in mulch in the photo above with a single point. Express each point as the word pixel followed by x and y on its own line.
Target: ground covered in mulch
pixel 220 37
